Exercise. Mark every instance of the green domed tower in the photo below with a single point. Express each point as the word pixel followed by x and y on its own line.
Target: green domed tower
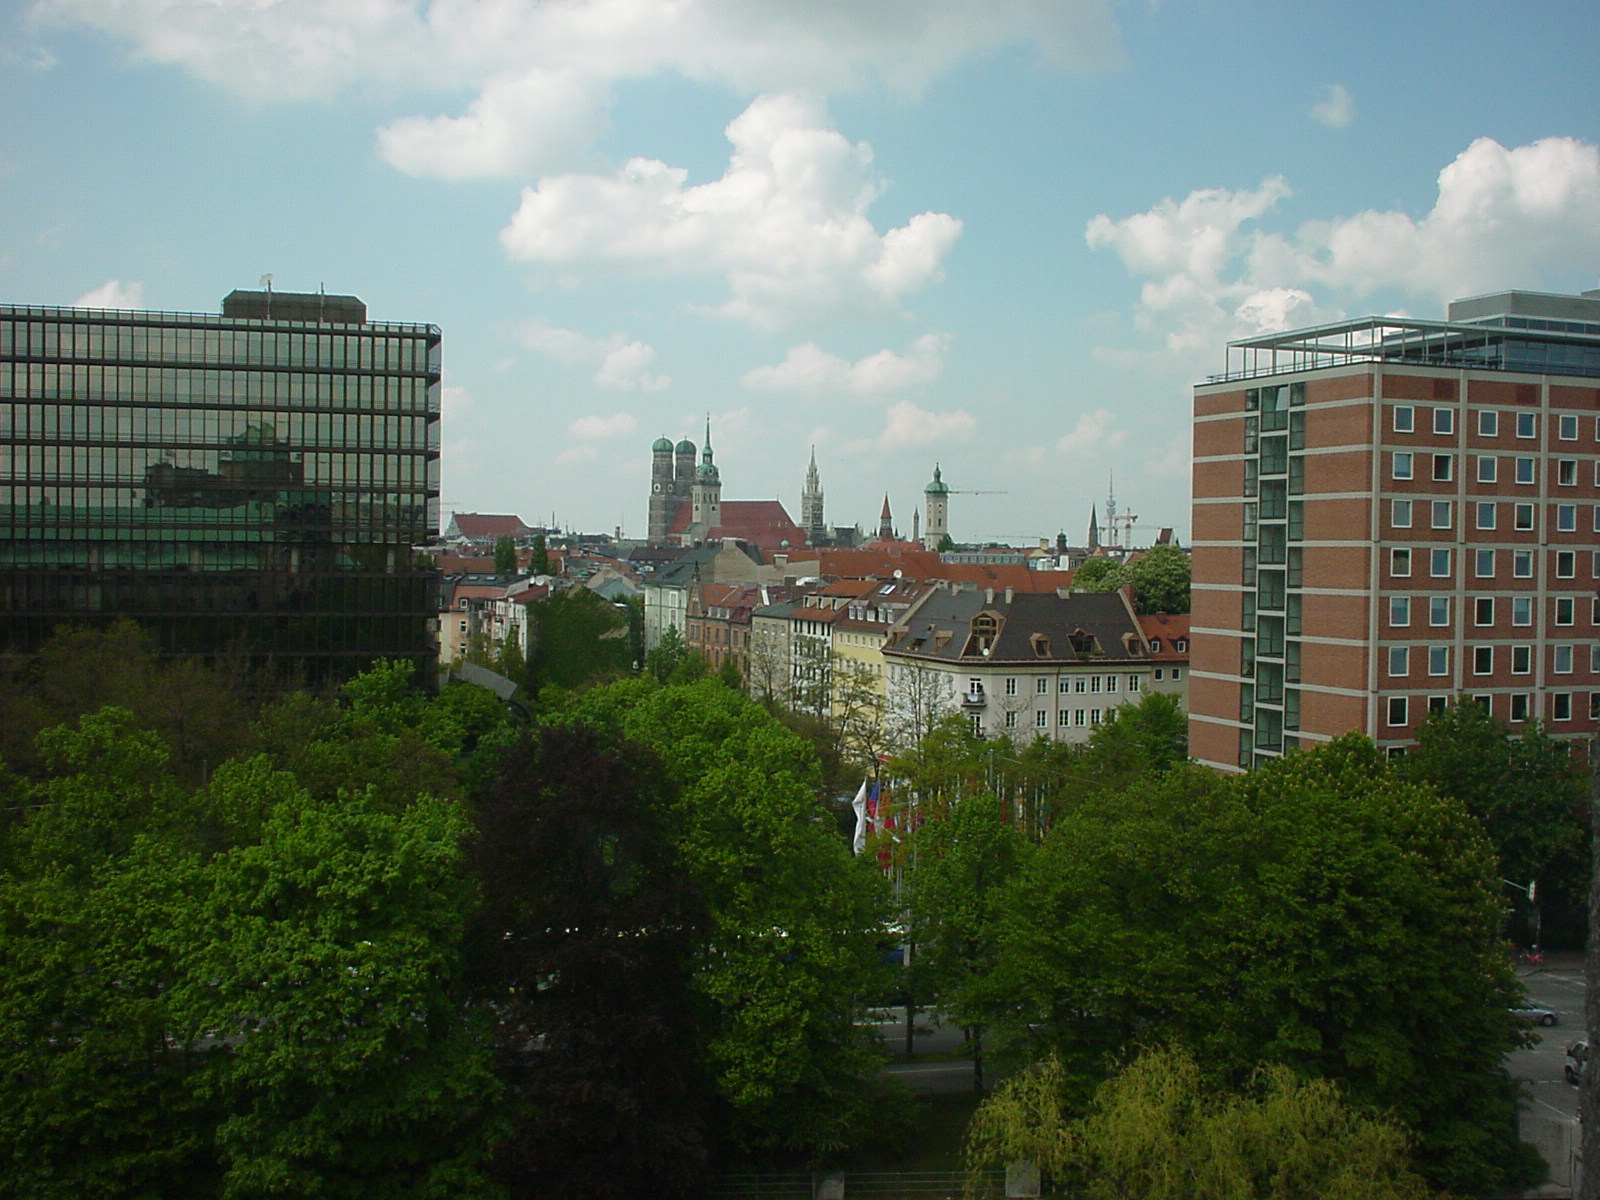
pixel 936 497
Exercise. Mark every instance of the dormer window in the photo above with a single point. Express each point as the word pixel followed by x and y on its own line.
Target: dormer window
pixel 1155 645
pixel 1041 645
pixel 1181 645
pixel 1082 642
pixel 980 641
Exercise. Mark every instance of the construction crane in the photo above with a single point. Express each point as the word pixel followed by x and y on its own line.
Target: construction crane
pixel 964 492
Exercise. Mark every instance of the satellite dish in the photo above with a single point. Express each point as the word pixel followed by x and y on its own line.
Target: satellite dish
pixel 897 572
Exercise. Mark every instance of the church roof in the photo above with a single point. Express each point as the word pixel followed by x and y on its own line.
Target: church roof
pixel 763 523
pixel 487 525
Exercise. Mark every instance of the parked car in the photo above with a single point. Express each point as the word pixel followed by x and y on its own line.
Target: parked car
pixel 1536 1014
pixel 1577 1055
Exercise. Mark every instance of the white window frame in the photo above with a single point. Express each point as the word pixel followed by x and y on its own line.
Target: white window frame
pixel 1438 661
pixel 1444 468
pixel 1527 425
pixel 1440 562
pixel 1566 518
pixel 1399 612
pixel 1566 611
pixel 1527 472
pixel 1399 661
pixel 1522 660
pixel 1522 564
pixel 1483 660
pixel 1566 564
pixel 1442 514
pixel 1404 418
pixel 1400 562
pixel 1438 612
pixel 1488 468
pixel 1521 612
pixel 1483 559
pixel 1402 465
pixel 1561 660
pixel 1400 514
pixel 1482 611
pixel 1566 427
pixel 1486 514
pixel 1444 421
pixel 1488 423
pixel 1398 706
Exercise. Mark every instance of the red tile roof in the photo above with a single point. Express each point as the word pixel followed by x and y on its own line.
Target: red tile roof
pixel 489 525
pixel 762 523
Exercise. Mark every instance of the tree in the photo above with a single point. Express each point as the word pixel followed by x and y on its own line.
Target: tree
pixel 577 637
pixel 668 655
pixel 1159 1127
pixel 1321 912
pixel 505 556
pixel 583 946
pixel 1096 575
pixel 1160 580
pixel 1151 736
pixel 539 562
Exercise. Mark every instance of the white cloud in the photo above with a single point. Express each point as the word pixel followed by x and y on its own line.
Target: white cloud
pixel 575 456
pixel 619 365
pixel 809 369
pixel 1503 218
pixel 541 69
pixel 1336 109
pixel 908 425
pixel 454 400
pixel 113 293
pixel 616 425
pixel 1091 435
pixel 786 224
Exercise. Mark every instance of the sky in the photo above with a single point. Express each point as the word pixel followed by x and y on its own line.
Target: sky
pixel 1004 237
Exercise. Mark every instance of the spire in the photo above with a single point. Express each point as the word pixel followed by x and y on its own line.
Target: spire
pixel 885 520
pixel 708 469
pixel 1094 529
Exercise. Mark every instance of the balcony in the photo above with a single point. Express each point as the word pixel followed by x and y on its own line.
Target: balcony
pixel 975 699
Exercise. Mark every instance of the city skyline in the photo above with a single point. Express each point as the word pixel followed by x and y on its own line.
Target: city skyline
pixel 1008 240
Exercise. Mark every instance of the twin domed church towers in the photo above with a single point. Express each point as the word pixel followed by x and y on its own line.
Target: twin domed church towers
pixel 675 479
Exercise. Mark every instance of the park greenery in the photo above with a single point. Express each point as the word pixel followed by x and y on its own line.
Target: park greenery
pixel 385 942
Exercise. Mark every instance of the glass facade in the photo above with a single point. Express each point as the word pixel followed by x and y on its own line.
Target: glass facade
pixel 248 484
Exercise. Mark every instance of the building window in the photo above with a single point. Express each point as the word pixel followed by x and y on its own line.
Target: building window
pixel 1486 514
pixel 1135 683
pixel 1041 719
pixel 1561 660
pixel 1399 612
pixel 1399 661
pixel 1443 468
pixel 1483 660
pixel 1094 683
pixel 1566 518
pixel 1488 468
pixel 1111 683
pixel 1519 706
pixel 1567 472
pixel 1522 660
pixel 1401 466
pixel 1159 674
pixel 1400 562
pixel 1442 514
pixel 1397 710
pixel 1439 562
pixel 1525 471
pixel 1483 610
pixel 1527 424
pixel 1567 427
pixel 1011 720
pixel 1488 423
pixel 1405 418
pixel 1080 684
pixel 1094 716
pixel 1444 420
pixel 1522 610
pixel 1594 706
pixel 1483 564
pixel 1042 686
pixel 1063 717
pixel 1438 660
pixel 1066 686
pixel 1438 610
pixel 1522 517
pixel 1566 564
pixel 1522 564
pixel 1561 706
pixel 1011 685
pixel 1400 514
pixel 1564 610
pixel 977 725
pixel 1597 516
pixel 1077 716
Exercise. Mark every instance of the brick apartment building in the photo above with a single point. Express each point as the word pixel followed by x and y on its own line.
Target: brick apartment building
pixel 1389 513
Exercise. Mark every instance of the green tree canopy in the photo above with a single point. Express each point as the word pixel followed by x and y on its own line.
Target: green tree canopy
pixel 1159 577
pixel 578 637
pixel 505 556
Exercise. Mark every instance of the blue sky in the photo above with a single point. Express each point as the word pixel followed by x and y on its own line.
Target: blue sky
pixel 1007 237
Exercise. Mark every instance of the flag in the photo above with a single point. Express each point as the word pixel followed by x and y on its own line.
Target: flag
pixel 860 805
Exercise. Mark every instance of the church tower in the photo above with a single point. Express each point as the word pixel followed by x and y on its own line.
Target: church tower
pixel 886 522
pixel 706 494
pixel 936 497
pixel 662 500
pixel 811 518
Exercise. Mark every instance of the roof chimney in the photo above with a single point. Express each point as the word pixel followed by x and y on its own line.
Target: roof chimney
pixel 988 595
pixel 1010 593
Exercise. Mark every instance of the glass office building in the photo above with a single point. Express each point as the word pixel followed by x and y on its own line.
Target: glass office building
pixel 251 483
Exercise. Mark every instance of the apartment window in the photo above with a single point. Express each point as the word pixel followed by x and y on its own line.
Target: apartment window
pixel 1400 468
pixel 1527 424
pixel 1484 702
pixel 1135 683
pixel 1565 610
pixel 1405 418
pixel 1439 562
pixel 1483 564
pixel 1488 423
pixel 1094 683
pixel 1483 610
pixel 1066 686
pixel 1397 710
pixel 1443 468
pixel 1566 564
pixel 1041 686
pixel 1041 719
pixel 1561 706
pixel 1160 674
pixel 1400 514
pixel 1522 517
pixel 1522 564
pixel 1436 704
pixel 1567 427
pixel 1399 611
pixel 1400 562
pixel 1522 660
pixel 1080 684
pixel 1597 515
pixel 1011 685
pixel 1486 514
pixel 1438 660
pixel 1483 660
pixel 1438 610
pixel 1442 514
pixel 1566 518
pixel 1063 717
pixel 1094 716
pixel 1399 661
pixel 1525 471
pixel 1078 716
pixel 1520 706
pixel 1566 472
pixel 1594 706
pixel 1594 564
pixel 1177 672
pixel 977 725
pixel 1488 468
pixel 1444 420
pixel 1561 660
pixel 1522 610
pixel 1011 720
